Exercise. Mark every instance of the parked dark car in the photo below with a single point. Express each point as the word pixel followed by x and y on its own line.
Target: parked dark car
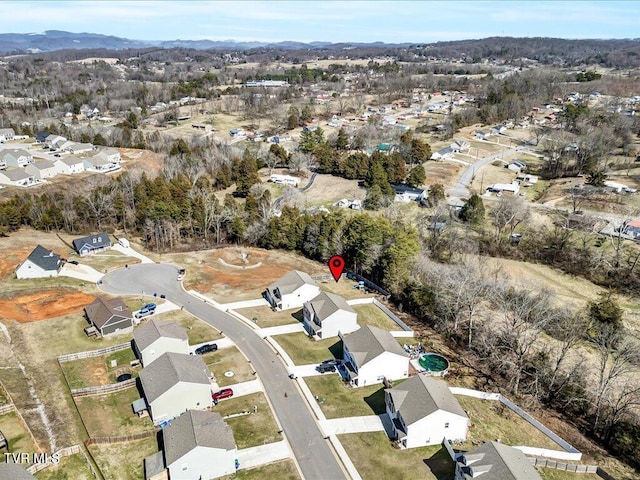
pixel 333 362
pixel 209 347
pixel 325 368
pixel 74 262
pixel 224 393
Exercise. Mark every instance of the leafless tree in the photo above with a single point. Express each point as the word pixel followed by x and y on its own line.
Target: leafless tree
pixel 508 214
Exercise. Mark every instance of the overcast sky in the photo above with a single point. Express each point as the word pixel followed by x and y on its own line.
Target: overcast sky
pixel 341 20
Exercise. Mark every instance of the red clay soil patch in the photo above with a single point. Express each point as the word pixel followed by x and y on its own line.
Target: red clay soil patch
pixel 43 305
pixel 9 261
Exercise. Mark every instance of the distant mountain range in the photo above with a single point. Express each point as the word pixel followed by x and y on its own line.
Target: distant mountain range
pixel 52 40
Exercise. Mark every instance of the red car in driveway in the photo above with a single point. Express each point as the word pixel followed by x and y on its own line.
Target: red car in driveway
pixel 224 393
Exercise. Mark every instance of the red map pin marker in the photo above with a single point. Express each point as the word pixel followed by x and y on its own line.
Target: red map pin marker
pixel 336 265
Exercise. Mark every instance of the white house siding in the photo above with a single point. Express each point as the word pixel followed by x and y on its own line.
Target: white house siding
pixel 69 169
pixel 387 365
pixel 203 463
pixel 431 429
pixel 162 346
pixel 342 321
pixel 29 269
pixel 297 298
pixel 39 173
pixel 180 398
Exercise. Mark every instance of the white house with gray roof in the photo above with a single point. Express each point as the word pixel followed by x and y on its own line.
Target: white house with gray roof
pixel 109 154
pixel 423 411
pixel 41 263
pixel 15 157
pixel 97 163
pixel 157 337
pixel 17 177
pixel 327 314
pixel 175 383
pixel 196 445
pixel 6 134
pixel 292 290
pixel 495 461
pixel 371 354
pixel 42 169
pixel 69 165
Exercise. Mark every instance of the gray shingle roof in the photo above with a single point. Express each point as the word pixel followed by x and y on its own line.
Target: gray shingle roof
pixel 291 282
pixel 45 259
pixel 43 164
pixel 170 369
pixel 327 304
pixel 153 465
pixel 368 342
pixel 196 428
pixel 101 240
pixel 501 462
pixel 420 396
pixel 101 310
pixel 14 471
pixel 71 160
pixel 155 329
pixel 16 174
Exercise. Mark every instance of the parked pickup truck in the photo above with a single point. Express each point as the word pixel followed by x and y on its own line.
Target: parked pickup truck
pixel 148 309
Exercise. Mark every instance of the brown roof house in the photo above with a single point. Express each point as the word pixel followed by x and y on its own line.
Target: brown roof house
pixel 157 337
pixel 110 316
pixel 175 383
pixel 196 445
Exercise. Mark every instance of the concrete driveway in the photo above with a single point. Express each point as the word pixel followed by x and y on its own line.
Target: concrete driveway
pixel 312 452
pixel 262 454
pixel 81 272
pixel 337 426
pixel 258 302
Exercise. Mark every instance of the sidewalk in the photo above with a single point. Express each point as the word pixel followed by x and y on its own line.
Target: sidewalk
pixel 130 252
pixel 282 329
pixel 262 454
pixel 81 272
pixel 338 426
pixel 258 302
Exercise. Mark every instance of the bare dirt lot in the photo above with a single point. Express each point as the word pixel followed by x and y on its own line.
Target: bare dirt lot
pixel 43 304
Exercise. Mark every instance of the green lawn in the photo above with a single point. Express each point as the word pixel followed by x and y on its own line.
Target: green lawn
pixel 106 261
pixel 229 360
pixel 265 317
pixel 198 331
pixel 304 350
pixel 73 467
pixel 123 461
pixel 94 371
pixel 337 400
pixel 250 430
pixel 112 415
pixel 553 474
pixel 283 470
pixel 491 420
pixel 17 436
pixel 375 458
pixel 369 314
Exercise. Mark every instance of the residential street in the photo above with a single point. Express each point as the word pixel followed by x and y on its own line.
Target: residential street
pixel 311 450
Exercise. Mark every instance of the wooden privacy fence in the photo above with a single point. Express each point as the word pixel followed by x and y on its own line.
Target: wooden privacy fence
pixel 103 389
pixel 94 353
pixel 121 438
pixel 63 452
pixel 9 407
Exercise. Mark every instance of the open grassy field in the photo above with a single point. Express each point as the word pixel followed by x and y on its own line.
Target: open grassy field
pixel 491 420
pixel 327 189
pixel 375 458
pixel 283 470
pixel 444 173
pixel 73 467
pixel 265 317
pixel 304 350
pixel 112 415
pixel 107 260
pixel 123 461
pixel 344 287
pixel 225 360
pixel 369 314
pixel 254 429
pixel 94 371
pixel 338 400
pixel 17 436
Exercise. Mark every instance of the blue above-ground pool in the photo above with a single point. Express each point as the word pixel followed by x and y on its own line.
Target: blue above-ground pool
pixel 434 363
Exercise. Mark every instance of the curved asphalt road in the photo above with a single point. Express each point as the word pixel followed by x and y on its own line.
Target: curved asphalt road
pixel 312 452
